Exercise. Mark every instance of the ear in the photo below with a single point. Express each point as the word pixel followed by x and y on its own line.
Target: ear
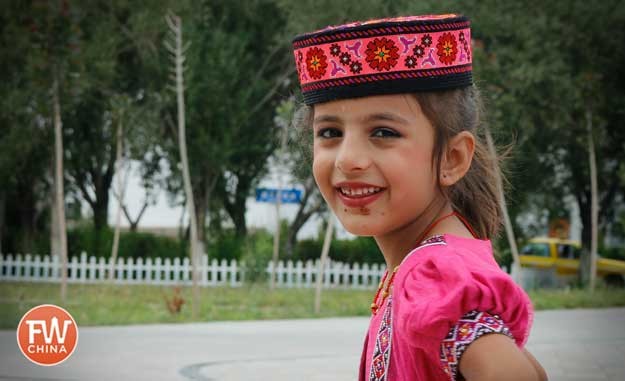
pixel 457 158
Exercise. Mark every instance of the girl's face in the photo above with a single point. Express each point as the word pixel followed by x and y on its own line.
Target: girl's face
pixel 373 161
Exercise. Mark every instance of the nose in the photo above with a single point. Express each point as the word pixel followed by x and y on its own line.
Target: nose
pixel 352 155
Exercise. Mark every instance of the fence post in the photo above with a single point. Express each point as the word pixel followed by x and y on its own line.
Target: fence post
pixel 204 269
pixel 289 274
pixel 214 268
pixel 120 270
pixel 280 274
pixel 149 265
pixel 139 271
pixel 167 267
pixel 269 271
pixel 308 275
pixel 74 268
pixel 27 265
pixel 176 269
pixel 82 266
pixel 298 274
pixel 158 267
pixel 45 267
pixel 223 271
pixel 233 273
pixel 17 264
pixel 36 269
pixel 130 270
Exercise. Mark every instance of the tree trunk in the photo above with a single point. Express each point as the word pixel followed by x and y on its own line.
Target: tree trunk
pixel 60 193
pixel 322 262
pixel 594 203
pixel 100 210
pixel 201 207
pixel 584 211
pixel 175 25
pixel 134 224
pixel 236 209
pixel 302 215
pixel 276 239
pixel 55 243
pixel 121 190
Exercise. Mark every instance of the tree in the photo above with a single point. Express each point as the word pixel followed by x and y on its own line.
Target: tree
pixel 236 69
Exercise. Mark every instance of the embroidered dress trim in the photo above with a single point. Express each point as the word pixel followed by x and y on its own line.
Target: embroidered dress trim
pixel 380 360
pixel 438 239
pixel 469 328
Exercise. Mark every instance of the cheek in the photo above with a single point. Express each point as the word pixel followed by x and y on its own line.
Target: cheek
pixel 412 174
pixel 322 169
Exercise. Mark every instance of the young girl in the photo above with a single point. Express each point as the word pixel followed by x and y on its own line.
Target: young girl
pixel 397 155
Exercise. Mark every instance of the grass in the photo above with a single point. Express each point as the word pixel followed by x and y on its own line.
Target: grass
pixel 93 305
pixel 106 304
pixel 602 297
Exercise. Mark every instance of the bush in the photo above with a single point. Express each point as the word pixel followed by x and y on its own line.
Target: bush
pixel 257 253
pixel 225 245
pixel 131 244
pixel 613 253
pixel 359 250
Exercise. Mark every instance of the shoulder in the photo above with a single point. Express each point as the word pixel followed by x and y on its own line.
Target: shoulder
pixel 442 280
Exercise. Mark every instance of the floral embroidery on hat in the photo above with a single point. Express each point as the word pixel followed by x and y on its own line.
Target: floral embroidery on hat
pixel 335 49
pixel 316 62
pixel 411 61
pixel 447 48
pixel 426 40
pixel 382 54
pixel 355 67
pixel 345 58
pixel 419 51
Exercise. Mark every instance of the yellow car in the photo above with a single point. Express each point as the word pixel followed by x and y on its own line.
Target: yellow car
pixel 563 256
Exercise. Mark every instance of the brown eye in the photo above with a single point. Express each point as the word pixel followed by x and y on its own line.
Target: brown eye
pixel 328 133
pixel 385 132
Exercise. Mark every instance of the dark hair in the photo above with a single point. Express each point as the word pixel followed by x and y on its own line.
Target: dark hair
pixel 476 195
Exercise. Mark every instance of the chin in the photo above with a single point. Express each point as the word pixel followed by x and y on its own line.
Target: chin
pixel 361 229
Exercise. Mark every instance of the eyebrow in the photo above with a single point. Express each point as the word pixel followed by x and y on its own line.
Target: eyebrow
pixel 381 116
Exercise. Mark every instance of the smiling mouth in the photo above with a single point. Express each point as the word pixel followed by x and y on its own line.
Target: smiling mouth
pixel 359 192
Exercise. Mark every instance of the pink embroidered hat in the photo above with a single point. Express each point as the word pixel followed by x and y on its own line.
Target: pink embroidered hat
pixel 384 56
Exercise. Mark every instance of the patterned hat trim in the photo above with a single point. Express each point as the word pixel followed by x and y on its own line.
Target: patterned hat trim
pixel 384 56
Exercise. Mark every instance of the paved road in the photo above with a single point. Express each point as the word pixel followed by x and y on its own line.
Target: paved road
pixel 573 345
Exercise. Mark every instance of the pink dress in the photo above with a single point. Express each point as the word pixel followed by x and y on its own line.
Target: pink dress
pixel 447 292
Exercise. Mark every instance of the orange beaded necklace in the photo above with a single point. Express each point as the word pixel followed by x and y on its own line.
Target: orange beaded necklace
pixel 376 304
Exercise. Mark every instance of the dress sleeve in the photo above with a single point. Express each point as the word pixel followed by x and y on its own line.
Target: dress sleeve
pixel 443 284
pixel 469 328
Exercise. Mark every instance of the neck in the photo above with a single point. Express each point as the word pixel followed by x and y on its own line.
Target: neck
pixel 396 244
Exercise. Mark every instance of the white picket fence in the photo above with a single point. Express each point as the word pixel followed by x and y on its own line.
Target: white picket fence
pixel 166 271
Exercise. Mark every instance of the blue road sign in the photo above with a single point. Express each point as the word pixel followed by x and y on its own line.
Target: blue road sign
pixel 289 196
